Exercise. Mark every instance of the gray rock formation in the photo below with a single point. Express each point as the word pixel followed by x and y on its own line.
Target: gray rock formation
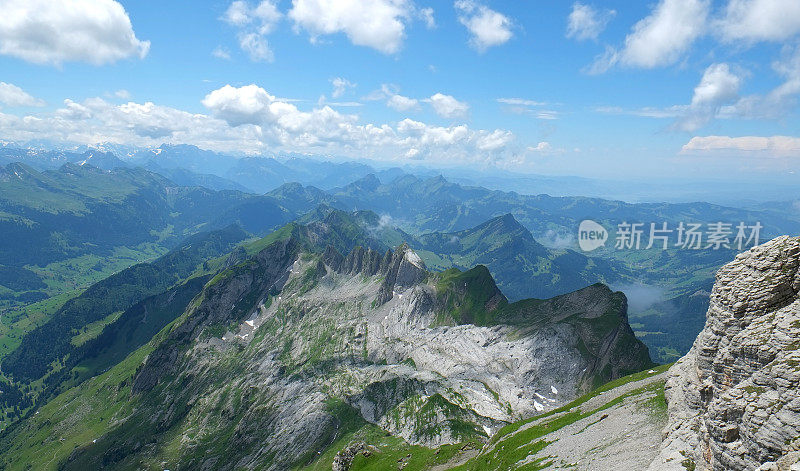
pixel 734 399
pixel 274 359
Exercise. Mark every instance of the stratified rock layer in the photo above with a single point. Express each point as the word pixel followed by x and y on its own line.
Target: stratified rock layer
pixel 734 399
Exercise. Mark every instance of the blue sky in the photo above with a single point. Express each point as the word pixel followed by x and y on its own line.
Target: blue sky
pixel 642 89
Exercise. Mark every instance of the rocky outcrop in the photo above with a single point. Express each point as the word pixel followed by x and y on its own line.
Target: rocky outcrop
pixel 233 295
pixel 734 399
pixel 343 459
pixel 400 270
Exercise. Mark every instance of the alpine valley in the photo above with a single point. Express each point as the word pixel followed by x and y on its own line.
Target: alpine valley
pixel 270 313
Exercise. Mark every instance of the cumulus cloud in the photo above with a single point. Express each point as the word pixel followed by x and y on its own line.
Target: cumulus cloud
pixel 487 27
pixel 715 96
pixel 495 140
pixel 776 146
pixel 254 23
pixel 249 104
pixel 759 20
pixel 252 105
pixel 379 24
pixel 12 95
pixel 661 38
pixel 53 32
pixel 586 22
pixel 249 119
pixel 95 121
pixel 446 106
pixel 777 102
pixel 402 103
pixel 394 100
pixel 340 86
pixel 718 86
pixel 265 15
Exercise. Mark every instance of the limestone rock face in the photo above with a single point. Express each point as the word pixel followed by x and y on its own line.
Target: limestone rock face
pixel 734 399
pixel 287 351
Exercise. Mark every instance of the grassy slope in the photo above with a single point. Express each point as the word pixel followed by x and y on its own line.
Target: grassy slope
pixel 388 452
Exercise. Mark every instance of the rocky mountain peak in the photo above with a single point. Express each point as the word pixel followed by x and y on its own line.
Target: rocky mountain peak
pixel 733 399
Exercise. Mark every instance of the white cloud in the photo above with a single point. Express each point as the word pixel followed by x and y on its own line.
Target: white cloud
pixel 718 86
pixel 661 38
pixel 523 106
pixel 123 94
pixel 256 46
pixel 715 96
pixel 546 114
pixel 379 24
pixel 244 105
pixel 323 100
pixel 779 101
pixel 95 121
pixel 402 103
pixel 54 32
pixel 394 100
pixel 426 14
pixel 497 139
pixel 237 14
pixel 542 147
pixel 774 146
pixel 249 119
pixel 221 53
pixel 252 105
pixel 12 95
pixel 265 16
pixel 386 91
pixel 340 86
pixel 254 24
pixel 759 20
pixel 520 102
pixel 487 27
pixel 586 22
pixel 446 106
pixel 675 111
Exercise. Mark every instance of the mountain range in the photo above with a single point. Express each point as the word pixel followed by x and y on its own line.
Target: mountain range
pixel 150 321
pixel 98 222
pixel 272 354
